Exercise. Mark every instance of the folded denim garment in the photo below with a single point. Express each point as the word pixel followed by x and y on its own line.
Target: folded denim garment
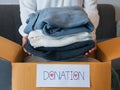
pixel 59 21
pixel 61 53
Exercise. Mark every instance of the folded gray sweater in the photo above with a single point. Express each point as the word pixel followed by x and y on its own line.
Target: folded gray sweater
pixel 59 21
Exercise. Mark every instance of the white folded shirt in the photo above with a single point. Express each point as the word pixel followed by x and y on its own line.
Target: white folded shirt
pixel 38 39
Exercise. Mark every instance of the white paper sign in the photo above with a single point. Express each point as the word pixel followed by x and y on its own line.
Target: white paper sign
pixel 63 75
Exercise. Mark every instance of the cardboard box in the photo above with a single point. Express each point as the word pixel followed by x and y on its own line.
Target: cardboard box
pixel 109 50
pixel 24 74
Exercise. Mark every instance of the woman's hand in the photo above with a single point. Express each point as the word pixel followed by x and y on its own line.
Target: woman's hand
pixel 91 50
pixel 24 41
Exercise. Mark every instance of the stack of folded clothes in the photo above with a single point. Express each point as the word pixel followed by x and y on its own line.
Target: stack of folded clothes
pixel 59 33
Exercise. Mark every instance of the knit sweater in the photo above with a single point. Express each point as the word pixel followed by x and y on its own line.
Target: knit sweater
pixel 31 6
pixel 57 22
pixel 38 39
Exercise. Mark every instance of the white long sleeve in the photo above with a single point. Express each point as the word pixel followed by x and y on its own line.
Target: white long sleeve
pixel 26 8
pixel 90 6
pixel 31 6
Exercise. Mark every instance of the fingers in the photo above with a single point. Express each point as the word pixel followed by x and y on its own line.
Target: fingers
pixel 24 41
pixel 90 51
pixel 27 51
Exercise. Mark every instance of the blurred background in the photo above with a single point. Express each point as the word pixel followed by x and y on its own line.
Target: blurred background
pixel 116 3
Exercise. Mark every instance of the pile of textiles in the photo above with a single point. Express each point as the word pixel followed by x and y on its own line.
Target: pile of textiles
pixel 59 33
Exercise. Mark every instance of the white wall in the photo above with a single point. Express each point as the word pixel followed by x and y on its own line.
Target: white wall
pixel 8 1
pixel 116 3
